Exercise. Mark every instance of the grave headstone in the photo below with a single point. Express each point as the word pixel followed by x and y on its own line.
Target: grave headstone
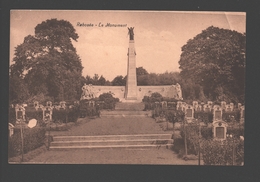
pixel 239 105
pixel 219 130
pixel 199 108
pixel 231 106
pixel 217 113
pixel 210 104
pixel 36 104
pixel 242 114
pixel 57 107
pixel 223 105
pixel 49 103
pixel 11 129
pixel 91 103
pixel 195 105
pixel 20 112
pixel 62 105
pixel 164 104
pixel 179 105
pixel 228 108
pixel 206 108
pixel 47 113
pixel 171 105
pixel 157 104
pixel 184 104
pixel 189 113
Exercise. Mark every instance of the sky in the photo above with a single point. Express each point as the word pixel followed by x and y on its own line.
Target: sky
pixel 158 35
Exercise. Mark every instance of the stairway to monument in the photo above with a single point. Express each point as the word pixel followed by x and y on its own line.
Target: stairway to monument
pixel 111 141
pixel 128 106
pixel 127 109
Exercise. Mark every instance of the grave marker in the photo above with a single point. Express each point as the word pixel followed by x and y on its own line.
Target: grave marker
pixel 217 113
pixel 231 106
pixel 47 113
pixel 36 104
pixel 179 105
pixel 19 112
pixel 183 105
pixel 242 114
pixel 11 129
pixel 171 105
pixel 239 105
pixel 189 113
pixel 228 108
pixel 206 108
pixel 219 130
pixel 49 103
pixel 210 104
pixel 223 105
pixel 164 104
pixel 62 105
pixel 195 105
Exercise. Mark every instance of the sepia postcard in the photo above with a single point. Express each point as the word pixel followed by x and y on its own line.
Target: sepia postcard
pixel 127 87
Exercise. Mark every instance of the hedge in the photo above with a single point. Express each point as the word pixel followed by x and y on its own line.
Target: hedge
pixel 231 116
pixel 33 138
pixel 221 152
pixel 206 117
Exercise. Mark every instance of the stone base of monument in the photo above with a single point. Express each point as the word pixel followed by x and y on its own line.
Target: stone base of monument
pixel 112 141
pixel 131 101
pixel 125 109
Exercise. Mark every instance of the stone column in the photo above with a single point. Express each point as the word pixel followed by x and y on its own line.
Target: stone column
pixel 131 83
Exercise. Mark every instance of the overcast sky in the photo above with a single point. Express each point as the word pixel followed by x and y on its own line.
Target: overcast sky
pixel 159 36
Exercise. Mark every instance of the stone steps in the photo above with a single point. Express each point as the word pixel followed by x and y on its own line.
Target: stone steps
pixel 122 113
pixel 111 141
pixel 128 106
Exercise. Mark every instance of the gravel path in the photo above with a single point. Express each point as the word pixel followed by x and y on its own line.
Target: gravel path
pixel 113 126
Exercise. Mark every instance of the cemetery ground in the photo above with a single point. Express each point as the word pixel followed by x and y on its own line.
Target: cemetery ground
pixel 111 126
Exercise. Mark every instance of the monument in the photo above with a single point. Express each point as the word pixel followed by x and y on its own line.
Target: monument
pixel 131 92
pixel 131 82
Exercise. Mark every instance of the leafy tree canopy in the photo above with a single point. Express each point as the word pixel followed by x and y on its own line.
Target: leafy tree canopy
pixel 48 61
pixel 215 59
pixel 119 81
pixel 141 71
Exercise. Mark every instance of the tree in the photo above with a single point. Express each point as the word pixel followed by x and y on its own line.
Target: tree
pixel 215 59
pixel 101 80
pixel 119 81
pixel 141 71
pixel 18 91
pixel 48 62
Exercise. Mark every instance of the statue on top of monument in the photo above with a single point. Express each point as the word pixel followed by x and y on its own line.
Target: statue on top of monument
pixel 131 32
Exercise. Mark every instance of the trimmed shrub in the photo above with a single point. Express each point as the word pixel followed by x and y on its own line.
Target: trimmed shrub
pixel 156 97
pixel 31 112
pixel 59 115
pixel 231 116
pixel 73 114
pixel 206 117
pixel 236 131
pixel 206 133
pixel 109 100
pixel 174 116
pixel 33 138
